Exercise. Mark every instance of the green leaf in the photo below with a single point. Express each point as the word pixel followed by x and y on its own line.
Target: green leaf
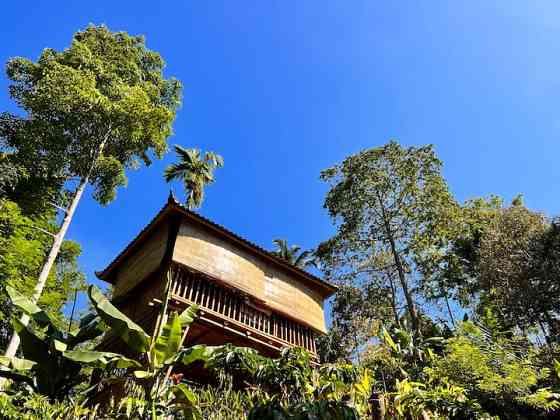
pixel 123 327
pixel 101 358
pixel 17 377
pixel 198 352
pixel 389 341
pixel 142 374
pixel 24 303
pixel 60 346
pixel 33 347
pixel 184 393
pixel 169 342
pixel 16 363
pixel 188 315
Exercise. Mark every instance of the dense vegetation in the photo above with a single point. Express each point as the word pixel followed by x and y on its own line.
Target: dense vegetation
pixel 444 309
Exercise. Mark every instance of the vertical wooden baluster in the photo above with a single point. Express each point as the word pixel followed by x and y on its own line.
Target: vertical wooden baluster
pixel 200 291
pixel 313 349
pixel 234 303
pixel 173 284
pixel 206 290
pixel 192 286
pixel 188 287
pixel 289 324
pixel 217 299
pixel 211 295
pixel 222 303
pixel 179 287
pixel 228 305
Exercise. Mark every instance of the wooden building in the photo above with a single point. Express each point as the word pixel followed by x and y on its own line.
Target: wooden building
pixel 247 296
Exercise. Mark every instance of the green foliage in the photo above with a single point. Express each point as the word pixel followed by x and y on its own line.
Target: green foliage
pixel 292 255
pixel 23 246
pixel 194 172
pixel 93 110
pixel 393 212
pixel 497 372
pixel 48 367
pixel 328 410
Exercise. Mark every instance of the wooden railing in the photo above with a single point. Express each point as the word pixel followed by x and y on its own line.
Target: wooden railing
pixel 194 288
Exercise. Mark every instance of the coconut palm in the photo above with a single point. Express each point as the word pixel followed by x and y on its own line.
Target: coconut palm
pixel 195 173
pixel 292 254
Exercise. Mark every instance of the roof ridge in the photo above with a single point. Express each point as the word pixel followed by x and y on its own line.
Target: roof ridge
pixel 172 202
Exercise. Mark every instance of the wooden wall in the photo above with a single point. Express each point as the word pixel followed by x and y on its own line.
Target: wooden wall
pixel 141 262
pixel 204 251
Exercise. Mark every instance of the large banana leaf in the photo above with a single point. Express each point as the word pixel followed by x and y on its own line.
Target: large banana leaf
pixel 33 347
pixel 169 341
pixel 198 352
pixel 100 358
pixel 188 315
pixel 89 328
pixel 16 363
pixel 22 302
pixel 123 327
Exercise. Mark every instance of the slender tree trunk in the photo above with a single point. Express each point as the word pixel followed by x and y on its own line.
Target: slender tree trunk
pixel 400 270
pixel 449 310
pixel 51 258
pixel 13 345
pixel 394 300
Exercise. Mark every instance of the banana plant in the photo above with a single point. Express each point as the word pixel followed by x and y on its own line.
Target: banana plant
pixel 157 355
pixel 50 364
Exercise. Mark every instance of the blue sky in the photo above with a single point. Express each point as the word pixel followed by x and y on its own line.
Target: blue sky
pixel 283 89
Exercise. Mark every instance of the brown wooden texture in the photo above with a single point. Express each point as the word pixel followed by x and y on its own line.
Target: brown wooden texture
pixel 208 253
pixel 217 301
pixel 142 262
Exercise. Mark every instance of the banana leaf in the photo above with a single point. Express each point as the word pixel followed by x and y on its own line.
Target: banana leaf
pixel 100 359
pixel 169 341
pixel 24 303
pixel 16 363
pixel 123 327
pixel 188 315
pixel 33 347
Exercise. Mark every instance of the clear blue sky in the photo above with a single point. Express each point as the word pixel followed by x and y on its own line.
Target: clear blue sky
pixel 283 89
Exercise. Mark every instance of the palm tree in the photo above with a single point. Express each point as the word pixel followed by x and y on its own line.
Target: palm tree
pixel 292 254
pixel 195 173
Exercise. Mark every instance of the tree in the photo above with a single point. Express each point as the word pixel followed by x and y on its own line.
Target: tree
pixel 356 318
pixel 92 110
pixel 505 258
pixel 194 172
pixel 24 241
pixel 391 201
pixel 292 255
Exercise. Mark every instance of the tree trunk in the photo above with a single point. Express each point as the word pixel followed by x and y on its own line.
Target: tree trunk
pixel 449 310
pixel 394 299
pixel 51 258
pixel 400 270
pixel 13 345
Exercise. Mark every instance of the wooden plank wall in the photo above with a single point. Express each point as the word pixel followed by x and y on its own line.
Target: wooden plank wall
pixel 204 251
pixel 142 262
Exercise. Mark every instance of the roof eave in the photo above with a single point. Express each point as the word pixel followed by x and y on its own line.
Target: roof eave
pixel 173 205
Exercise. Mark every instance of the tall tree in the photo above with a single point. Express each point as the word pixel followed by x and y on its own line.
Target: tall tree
pixel 292 254
pixel 506 258
pixel 390 201
pixel 24 241
pixel 194 172
pixel 98 107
